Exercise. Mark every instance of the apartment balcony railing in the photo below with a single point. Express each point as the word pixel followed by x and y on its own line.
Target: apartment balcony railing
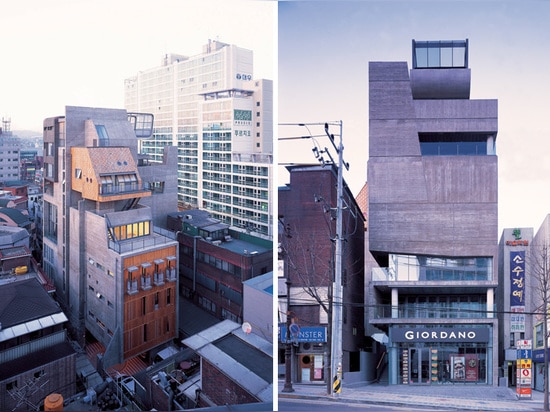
pixel 159 237
pixel 477 311
pixel 430 274
pixel 110 189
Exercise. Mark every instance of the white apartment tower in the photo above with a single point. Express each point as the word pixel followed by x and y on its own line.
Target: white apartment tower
pixel 9 153
pixel 221 120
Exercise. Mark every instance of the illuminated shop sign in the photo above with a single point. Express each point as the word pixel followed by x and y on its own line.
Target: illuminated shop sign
pixel 517 278
pixel 440 335
pixel 305 334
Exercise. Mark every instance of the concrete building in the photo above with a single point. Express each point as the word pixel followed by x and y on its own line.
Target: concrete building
pixel 215 261
pixel 307 216
pixel 221 121
pixel 432 213
pixel 114 266
pixel 515 296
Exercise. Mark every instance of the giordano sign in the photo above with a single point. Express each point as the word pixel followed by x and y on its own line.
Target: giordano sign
pixel 440 335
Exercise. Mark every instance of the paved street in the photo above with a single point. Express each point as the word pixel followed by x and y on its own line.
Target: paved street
pixel 449 397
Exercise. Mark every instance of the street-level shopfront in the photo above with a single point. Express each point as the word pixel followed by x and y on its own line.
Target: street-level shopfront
pixel 434 355
pixel 309 352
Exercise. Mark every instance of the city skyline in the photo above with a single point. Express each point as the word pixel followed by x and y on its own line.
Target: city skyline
pixel 78 53
pixel 324 50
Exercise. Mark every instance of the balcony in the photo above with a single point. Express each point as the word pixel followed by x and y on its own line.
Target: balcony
pixel 132 287
pixel 146 282
pixel 447 310
pixel 158 279
pixel 171 275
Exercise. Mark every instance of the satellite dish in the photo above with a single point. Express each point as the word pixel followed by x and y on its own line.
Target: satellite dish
pixel 246 327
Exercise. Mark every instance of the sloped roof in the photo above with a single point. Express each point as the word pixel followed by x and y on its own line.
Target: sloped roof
pixel 14 214
pixel 245 358
pixel 24 301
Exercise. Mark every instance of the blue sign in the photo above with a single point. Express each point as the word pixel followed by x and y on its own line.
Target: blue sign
pixel 305 334
pixel 524 354
pixel 517 278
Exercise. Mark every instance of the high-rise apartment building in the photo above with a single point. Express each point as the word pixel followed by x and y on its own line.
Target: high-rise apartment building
pixel 9 153
pixel 221 120
pixel 114 268
pixel 432 213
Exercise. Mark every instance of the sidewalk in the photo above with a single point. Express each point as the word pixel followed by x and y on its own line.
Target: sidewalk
pixel 458 397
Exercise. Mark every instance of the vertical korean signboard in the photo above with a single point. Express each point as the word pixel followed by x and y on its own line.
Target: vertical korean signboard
pixel 517 278
pixel 517 291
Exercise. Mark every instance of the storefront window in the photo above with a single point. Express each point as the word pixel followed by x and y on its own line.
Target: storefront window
pixel 441 355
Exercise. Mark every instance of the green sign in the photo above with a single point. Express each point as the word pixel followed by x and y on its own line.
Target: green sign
pixel 243 115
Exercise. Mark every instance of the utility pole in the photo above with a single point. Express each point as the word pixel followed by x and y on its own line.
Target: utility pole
pixel 288 345
pixel 335 314
pixel 337 292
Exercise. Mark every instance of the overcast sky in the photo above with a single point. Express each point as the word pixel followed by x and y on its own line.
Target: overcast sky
pixel 325 47
pixel 56 53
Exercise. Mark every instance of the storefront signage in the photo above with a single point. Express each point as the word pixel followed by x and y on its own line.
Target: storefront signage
pixel 440 335
pixel 517 322
pixel 517 278
pixel 306 334
pixel 518 241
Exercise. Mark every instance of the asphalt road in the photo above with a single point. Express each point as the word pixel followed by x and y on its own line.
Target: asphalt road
pixel 297 405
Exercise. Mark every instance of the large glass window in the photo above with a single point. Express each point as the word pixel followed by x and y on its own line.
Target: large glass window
pixel 456 144
pixel 440 268
pixel 443 306
pixel 130 231
pixel 440 54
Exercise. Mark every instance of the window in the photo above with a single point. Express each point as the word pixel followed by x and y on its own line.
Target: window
pixel 440 54
pixel 143 305
pixel 78 173
pixel 102 134
pixel 456 144
pixel 145 333
pixel 538 336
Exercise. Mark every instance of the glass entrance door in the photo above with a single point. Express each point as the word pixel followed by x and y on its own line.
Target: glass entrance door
pixel 419 366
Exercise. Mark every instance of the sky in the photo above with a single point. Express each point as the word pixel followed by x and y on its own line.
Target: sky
pixel 57 53
pixel 324 50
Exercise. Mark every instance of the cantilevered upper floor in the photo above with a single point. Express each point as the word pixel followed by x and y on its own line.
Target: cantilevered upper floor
pixel 440 69
pixel 106 174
